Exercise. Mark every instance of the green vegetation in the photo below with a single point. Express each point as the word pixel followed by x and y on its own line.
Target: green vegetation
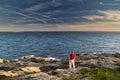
pixel 96 74
pixel 100 74
pixel 5 78
pixel 70 78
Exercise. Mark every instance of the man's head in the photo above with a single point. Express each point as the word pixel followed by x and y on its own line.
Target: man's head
pixel 72 51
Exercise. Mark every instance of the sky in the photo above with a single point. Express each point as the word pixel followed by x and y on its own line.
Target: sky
pixel 59 15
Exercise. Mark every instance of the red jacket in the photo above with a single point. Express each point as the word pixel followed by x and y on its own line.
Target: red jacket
pixel 72 56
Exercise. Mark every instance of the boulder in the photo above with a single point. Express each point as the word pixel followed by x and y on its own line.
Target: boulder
pixel 89 63
pixel 6 67
pixel 1 60
pixel 48 68
pixel 39 59
pixel 117 55
pixel 20 73
pixel 118 63
pixel 27 57
pixel 15 60
pixel 6 61
pixel 8 73
pixel 93 62
pixel 38 76
pixel 30 69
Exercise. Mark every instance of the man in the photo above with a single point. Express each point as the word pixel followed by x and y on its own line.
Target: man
pixel 71 61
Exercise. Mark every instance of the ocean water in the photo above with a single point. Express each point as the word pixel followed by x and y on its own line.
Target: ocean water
pixel 56 44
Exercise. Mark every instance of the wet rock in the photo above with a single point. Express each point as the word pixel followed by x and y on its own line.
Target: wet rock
pixel 30 69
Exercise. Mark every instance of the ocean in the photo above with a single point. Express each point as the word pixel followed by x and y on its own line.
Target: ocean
pixel 57 44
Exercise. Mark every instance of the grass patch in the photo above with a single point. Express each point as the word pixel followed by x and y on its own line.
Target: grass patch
pixel 101 74
pixel 70 78
pixel 5 78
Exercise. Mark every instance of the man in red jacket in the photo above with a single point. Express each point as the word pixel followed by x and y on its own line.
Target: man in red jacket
pixel 71 61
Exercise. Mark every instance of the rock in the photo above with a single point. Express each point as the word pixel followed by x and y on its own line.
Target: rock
pixel 7 67
pixel 1 60
pixel 118 63
pixel 39 59
pixel 80 55
pixel 65 72
pixel 89 63
pixel 8 73
pixel 106 54
pixel 30 69
pixel 27 57
pixel 20 73
pixel 61 72
pixel 48 68
pixel 15 60
pixel 6 61
pixel 38 76
pixel 117 55
pixel 94 57
pixel 87 56
pixel 115 59
pixel 93 62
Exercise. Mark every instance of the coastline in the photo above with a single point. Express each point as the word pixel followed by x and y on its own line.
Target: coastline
pixel 48 68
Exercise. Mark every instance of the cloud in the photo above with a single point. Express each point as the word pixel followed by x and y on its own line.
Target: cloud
pixel 97 26
pixel 37 7
pixel 109 4
pixel 56 3
pixel 110 15
pixel 37 19
pixel 81 1
pixel 33 15
pixel 22 14
pixel 101 3
pixel 40 6
pixel 11 28
pixel 93 17
pixel 117 0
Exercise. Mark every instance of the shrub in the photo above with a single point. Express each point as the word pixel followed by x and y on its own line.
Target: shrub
pixel 70 78
pixel 5 78
pixel 101 74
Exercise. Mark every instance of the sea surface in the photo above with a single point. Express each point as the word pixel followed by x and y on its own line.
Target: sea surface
pixel 57 44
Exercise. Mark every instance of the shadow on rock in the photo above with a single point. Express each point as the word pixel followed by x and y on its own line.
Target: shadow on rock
pixel 48 68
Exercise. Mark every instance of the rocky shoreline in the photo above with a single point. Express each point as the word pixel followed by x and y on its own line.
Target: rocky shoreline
pixel 42 68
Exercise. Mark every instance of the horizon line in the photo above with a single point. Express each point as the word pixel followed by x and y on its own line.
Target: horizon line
pixel 56 31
